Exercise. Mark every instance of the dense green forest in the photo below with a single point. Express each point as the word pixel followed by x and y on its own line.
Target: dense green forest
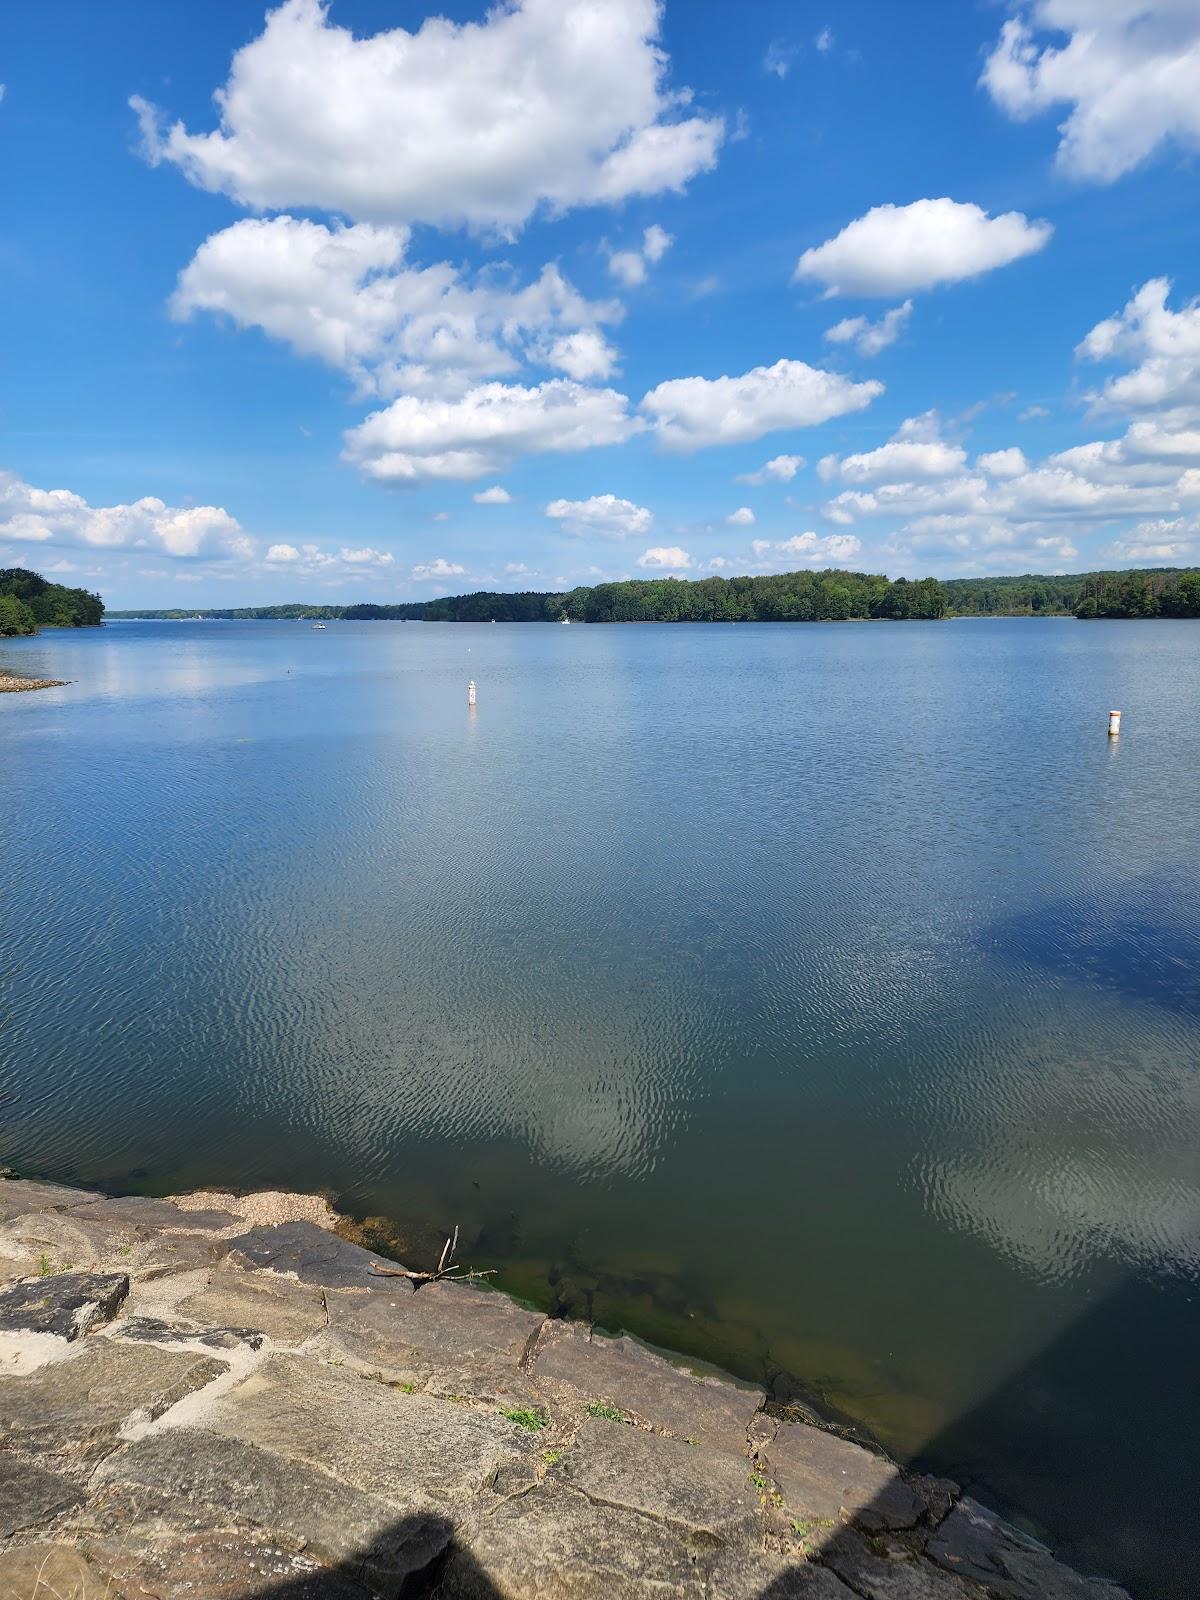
pixel 28 602
pixel 832 596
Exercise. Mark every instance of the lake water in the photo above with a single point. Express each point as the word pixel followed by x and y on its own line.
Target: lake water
pixel 820 1000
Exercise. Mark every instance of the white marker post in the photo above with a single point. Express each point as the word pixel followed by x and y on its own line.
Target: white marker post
pixel 471 694
pixel 1114 724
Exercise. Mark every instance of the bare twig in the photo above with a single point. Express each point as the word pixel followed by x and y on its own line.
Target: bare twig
pixel 447 1268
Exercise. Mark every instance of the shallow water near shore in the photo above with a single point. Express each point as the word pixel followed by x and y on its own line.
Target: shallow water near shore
pixel 823 1001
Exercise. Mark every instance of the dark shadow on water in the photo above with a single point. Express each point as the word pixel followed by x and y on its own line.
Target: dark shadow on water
pixel 1142 945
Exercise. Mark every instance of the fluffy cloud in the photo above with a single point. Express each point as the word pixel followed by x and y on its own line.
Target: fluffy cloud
pixel 604 515
pixel 582 356
pixel 497 495
pixel 743 517
pixel 868 337
pixel 31 515
pixel 1010 463
pixel 1165 345
pixel 544 102
pixel 418 438
pixel 895 250
pixel 348 296
pixel 832 549
pixel 428 571
pixel 690 413
pixel 915 451
pixel 665 557
pixel 1128 71
pixel 780 469
pixel 630 266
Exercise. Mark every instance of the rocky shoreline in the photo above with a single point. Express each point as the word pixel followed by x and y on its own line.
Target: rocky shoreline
pixel 217 1398
pixel 11 685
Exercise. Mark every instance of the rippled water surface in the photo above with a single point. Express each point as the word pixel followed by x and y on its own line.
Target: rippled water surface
pixel 823 1000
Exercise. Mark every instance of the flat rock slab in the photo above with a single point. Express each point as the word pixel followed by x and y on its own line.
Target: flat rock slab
pixel 704 1495
pixel 65 1304
pixel 408 1449
pixel 286 1311
pixel 975 1543
pixel 551 1544
pixel 742 1575
pixel 29 1495
pixel 79 1405
pixel 311 1254
pixel 187 1477
pixel 826 1479
pixel 623 1374
pixel 896 1575
pixel 20 1196
pixel 463 1340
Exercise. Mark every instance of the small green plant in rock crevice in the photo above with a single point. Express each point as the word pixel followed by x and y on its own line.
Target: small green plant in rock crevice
pixel 595 1409
pixel 43 1265
pixel 524 1417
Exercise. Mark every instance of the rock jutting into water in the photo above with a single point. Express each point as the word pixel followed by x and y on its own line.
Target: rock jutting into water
pixel 11 685
pixel 214 1396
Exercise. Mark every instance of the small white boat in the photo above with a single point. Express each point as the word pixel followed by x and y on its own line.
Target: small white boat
pixel 318 627
pixel 566 621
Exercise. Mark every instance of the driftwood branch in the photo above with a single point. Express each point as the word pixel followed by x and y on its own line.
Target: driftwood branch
pixel 447 1268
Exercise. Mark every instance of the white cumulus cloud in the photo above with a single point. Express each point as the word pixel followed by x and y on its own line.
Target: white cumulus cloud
pixel 868 337
pixel 915 450
pixel 631 266
pixel 689 413
pixel 743 517
pixel 543 102
pixel 37 516
pixel 419 438
pixel 895 250
pixel 427 571
pixel 497 495
pixel 1165 344
pixel 812 548
pixel 665 558
pixel 604 515
pixel 349 296
pixel 1127 70
pixel 780 469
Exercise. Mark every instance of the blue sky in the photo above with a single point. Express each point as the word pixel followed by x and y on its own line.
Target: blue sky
pixel 426 301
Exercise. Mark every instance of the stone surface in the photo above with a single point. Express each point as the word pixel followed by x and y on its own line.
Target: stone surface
pixel 823 1477
pixel 29 1495
pixel 79 1405
pixel 65 1304
pixel 50 1572
pixel 409 1449
pixel 891 1575
pixel 153 1330
pixel 551 1544
pixel 19 1196
pixel 975 1543
pixel 182 1477
pixel 287 1311
pixel 703 1494
pixel 621 1373
pixel 311 1254
pixel 461 1340
pixel 741 1575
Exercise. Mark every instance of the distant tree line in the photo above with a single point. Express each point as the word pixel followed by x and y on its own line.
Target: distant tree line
pixel 833 596
pixel 28 602
pixel 1161 593
pixel 286 613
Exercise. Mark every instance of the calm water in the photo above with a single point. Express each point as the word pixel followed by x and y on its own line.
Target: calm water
pixel 822 1000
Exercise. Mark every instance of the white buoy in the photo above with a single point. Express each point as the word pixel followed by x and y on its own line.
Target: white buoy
pixel 1114 724
pixel 471 694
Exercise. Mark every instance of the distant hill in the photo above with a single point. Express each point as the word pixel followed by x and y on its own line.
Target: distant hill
pixel 29 602
pixel 831 596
